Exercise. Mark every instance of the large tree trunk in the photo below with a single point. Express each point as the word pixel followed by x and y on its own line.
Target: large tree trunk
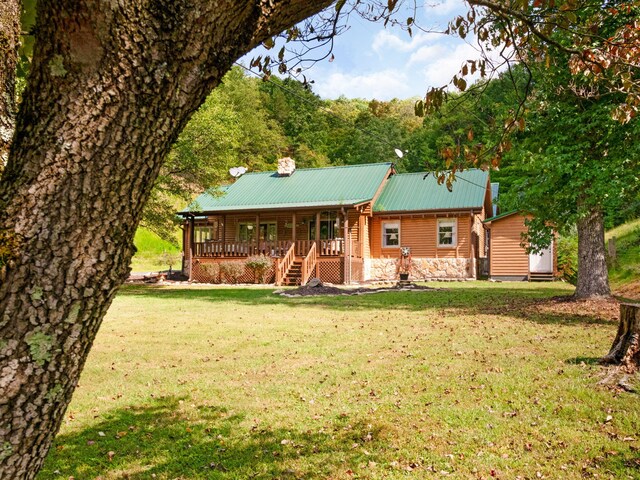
pixel 593 278
pixel 111 86
pixel 9 42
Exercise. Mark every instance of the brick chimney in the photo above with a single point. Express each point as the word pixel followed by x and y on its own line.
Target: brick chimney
pixel 286 166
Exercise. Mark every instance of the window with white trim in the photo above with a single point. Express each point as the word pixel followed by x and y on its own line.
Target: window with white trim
pixel 391 234
pixel 447 232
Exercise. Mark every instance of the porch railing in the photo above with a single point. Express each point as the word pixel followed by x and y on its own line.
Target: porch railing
pixel 219 249
pixel 241 249
pixel 283 264
pixel 326 248
pixel 309 264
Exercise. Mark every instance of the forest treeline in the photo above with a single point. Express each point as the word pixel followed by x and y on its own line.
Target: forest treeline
pixel 250 122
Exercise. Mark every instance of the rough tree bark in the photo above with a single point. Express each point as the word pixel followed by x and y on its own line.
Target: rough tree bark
pixel 9 42
pixel 625 350
pixel 111 86
pixel 593 278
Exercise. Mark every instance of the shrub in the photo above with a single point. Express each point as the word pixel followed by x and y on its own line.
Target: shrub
pixel 232 270
pixel 211 270
pixel 259 264
pixel 568 258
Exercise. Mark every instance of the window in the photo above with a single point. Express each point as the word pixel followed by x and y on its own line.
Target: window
pixel 390 234
pixel 202 234
pixel 329 226
pixel 447 232
pixel 247 232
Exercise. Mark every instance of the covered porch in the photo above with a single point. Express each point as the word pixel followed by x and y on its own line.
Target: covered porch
pixel 303 244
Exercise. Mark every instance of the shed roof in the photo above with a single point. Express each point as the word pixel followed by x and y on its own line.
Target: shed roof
pixel 306 187
pixel 414 192
pixel 502 215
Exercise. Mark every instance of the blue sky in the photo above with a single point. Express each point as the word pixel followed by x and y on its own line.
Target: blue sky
pixel 372 61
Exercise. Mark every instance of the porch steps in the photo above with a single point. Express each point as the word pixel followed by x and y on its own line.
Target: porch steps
pixel 294 275
pixel 541 277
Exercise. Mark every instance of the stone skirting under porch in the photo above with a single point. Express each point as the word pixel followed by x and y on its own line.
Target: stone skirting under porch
pixel 421 269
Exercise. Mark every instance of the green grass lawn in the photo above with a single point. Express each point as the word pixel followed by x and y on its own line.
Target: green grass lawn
pixel 471 381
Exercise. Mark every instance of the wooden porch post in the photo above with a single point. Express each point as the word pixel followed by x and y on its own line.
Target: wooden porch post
pixel 317 229
pixel 184 245
pixel 257 234
pixel 293 230
pixel 224 235
pixel 346 252
pixel 361 235
pixel 191 245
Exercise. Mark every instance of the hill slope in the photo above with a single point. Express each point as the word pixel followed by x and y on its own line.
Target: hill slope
pixel 151 249
pixel 624 273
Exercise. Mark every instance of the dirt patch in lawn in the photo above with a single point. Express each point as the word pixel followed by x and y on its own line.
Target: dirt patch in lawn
pixel 606 309
pixel 306 291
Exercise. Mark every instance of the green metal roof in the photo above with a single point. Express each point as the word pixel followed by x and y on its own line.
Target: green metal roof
pixel 306 187
pixel 414 192
pixel 502 215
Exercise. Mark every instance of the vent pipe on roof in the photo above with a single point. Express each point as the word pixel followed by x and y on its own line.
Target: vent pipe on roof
pixel 286 167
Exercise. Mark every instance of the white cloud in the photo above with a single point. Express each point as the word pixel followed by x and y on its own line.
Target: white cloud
pixel 427 53
pixel 382 85
pixel 388 41
pixel 441 71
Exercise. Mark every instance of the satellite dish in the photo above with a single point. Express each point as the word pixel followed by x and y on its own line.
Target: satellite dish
pixel 399 153
pixel 235 172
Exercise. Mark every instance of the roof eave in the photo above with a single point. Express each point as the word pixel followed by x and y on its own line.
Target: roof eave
pixel 427 210
pixel 501 216
pixel 274 209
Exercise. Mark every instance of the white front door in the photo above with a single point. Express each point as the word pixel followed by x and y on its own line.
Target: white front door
pixel 541 262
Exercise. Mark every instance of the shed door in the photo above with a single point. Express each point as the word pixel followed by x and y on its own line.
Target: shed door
pixel 541 262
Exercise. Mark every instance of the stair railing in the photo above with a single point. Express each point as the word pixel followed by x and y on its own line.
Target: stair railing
pixel 283 264
pixel 309 264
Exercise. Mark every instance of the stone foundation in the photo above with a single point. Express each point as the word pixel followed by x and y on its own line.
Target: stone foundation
pixel 421 268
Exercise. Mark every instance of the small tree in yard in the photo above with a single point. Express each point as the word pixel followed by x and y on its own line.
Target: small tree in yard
pixel 259 264
pixel 232 270
pixel 169 259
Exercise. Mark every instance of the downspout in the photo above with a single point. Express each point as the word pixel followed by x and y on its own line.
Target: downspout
pixel 472 249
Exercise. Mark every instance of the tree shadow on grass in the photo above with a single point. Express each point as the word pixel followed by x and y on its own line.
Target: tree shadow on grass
pixel 585 360
pixel 472 300
pixel 160 438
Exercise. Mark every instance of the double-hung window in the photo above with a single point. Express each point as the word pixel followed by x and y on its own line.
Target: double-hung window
pixel 447 232
pixel 391 234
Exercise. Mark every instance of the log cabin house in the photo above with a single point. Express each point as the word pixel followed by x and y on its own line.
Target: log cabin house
pixel 341 224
